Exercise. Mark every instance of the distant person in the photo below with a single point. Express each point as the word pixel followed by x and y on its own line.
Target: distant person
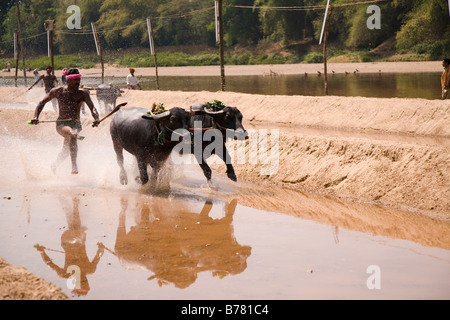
pixel 63 77
pixel 445 78
pixel 49 80
pixel 70 99
pixel 36 76
pixel 132 81
pixel 9 67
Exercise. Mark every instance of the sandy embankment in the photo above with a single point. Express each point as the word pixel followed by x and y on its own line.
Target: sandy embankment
pixel 17 283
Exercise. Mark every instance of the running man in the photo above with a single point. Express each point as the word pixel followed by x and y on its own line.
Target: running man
pixel 49 82
pixel 70 99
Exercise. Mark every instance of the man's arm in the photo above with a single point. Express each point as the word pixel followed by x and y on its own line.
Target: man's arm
pixel 447 80
pixel 51 95
pixel 90 104
pixel 40 78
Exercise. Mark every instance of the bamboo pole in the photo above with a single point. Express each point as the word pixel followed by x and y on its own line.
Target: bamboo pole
pixel 21 43
pixel 221 51
pixel 151 40
pixel 325 66
pixel 98 46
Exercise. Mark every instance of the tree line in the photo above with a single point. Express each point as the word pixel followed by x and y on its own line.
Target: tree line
pixel 417 26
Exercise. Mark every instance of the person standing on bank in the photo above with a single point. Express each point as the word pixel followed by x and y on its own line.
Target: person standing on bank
pixel 70 99
pixel 132 81
pixel 445 78
pixel 49 80
pixel 63 76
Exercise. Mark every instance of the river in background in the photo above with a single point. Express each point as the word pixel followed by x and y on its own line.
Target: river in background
pixel 383 85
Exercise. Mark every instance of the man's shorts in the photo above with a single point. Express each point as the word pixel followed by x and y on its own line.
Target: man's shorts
pixel 74 124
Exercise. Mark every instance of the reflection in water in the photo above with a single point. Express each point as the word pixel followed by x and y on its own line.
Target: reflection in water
pixel 73 242
pixel 386 85
pixel 168 240
pixel 175 244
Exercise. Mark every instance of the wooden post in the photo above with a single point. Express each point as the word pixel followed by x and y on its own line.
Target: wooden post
pixel 151 40
pixel 98 46
pixel 16 57
pixel 49 26
pixel 325 67
pixel 220 26
pixel 21 43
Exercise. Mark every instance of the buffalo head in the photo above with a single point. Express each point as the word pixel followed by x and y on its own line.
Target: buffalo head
pixel 227 120
pixel 173 119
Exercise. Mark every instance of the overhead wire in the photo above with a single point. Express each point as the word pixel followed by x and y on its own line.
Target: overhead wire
pixel 306 8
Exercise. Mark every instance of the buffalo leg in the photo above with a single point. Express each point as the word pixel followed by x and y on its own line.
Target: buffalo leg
pixel 119 154
pixel 230 170
pixel 142 166
pixel 206 169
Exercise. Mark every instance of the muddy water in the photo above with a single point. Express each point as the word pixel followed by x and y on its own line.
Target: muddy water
pixel 184 240
pixel 384 85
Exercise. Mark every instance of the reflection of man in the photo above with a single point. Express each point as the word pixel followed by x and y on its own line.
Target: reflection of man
pixel 73 241
pixel 445 78
pixel 49 82
pixel 132 81
pixel 70 100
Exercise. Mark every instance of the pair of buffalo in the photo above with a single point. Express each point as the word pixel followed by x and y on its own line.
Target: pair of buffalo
pixel 143 136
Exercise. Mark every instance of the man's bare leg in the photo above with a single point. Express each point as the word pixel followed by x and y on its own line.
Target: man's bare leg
pixel 61 156
pixel 70 147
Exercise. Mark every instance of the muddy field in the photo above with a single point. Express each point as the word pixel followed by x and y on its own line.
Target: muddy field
pixel 362 164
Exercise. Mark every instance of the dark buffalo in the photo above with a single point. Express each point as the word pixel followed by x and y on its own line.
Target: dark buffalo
pixel 229 122
pixel 146 137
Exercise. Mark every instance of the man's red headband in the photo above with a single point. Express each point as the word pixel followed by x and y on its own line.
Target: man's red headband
pixel 73 76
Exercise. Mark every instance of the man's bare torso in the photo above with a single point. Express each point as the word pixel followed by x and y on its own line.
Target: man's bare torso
pixel 49 81
pixel 70 102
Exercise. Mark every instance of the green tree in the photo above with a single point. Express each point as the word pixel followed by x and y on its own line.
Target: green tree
pixel 72 41
pixel 122 23
pixel 361 37
pixel 33 14
pixel 284 25
pixel 425 28
pixel 241 26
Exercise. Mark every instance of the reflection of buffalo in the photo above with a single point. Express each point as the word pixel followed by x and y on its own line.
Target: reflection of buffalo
pixel 107 96
pixel 176 245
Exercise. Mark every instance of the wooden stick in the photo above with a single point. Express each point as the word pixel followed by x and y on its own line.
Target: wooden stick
pixel 113 111
pixel 46 121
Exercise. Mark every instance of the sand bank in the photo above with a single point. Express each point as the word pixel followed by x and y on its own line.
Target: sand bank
pixel 263 70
